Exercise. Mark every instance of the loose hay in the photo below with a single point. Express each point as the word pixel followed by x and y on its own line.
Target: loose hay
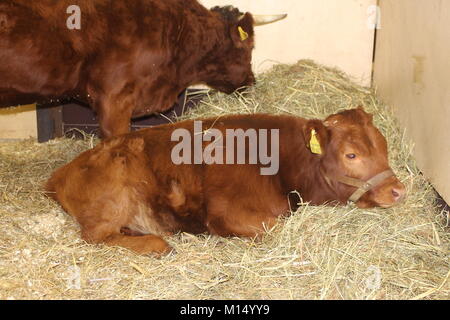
pixel 317 253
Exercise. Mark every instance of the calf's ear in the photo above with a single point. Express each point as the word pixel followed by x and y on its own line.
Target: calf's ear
pixel 316 136
pixel 368 117
pixel 242 31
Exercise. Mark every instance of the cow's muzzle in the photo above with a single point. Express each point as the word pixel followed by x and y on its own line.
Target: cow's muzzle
pixel 365 186
pixel 362 186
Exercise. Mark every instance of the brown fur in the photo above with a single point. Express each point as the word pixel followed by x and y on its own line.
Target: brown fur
pixel 130 58
pixel 128 186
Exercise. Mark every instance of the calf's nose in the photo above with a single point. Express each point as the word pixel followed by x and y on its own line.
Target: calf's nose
pixel 398 192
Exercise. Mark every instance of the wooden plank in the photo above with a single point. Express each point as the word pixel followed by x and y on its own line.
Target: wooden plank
pixel 18 122
pixel 49 123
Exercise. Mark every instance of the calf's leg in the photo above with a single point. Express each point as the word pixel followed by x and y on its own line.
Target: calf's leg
pixel 142 244
pixel 250 225
pixel 146 244
pixel 236 218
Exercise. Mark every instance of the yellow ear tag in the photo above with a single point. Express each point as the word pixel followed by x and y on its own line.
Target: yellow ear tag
pixel 242 33
pixel 314 143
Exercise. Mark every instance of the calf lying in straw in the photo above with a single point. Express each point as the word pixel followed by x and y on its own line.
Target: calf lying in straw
pixel 226 176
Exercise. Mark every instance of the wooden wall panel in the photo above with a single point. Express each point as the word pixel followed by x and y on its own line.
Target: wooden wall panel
pixel 412 68
pixel 18 122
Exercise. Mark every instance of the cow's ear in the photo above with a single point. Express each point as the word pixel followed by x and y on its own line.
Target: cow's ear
pixel 242 31
pixel 368 117
pixel 316 136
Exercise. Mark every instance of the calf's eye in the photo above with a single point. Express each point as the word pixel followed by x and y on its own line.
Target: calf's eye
pixel 351 156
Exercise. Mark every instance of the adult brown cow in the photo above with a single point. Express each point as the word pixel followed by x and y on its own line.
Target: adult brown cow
pixel 129 191
pixel 125 58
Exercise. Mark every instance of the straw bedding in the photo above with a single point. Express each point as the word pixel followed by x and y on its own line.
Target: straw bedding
pixel 317 253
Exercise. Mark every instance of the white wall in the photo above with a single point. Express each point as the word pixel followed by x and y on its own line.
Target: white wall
pixel 331 32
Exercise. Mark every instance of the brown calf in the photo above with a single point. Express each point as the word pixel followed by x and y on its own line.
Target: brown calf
pixel 128 191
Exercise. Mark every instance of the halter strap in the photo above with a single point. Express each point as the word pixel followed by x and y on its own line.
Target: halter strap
pixel 361 185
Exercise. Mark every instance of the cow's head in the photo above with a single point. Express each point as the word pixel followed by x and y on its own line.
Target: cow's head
pixel 230 67
pixel 354 159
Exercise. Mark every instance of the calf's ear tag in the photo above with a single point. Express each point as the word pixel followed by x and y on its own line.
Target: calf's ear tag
pixel 242 34
pixel 314 143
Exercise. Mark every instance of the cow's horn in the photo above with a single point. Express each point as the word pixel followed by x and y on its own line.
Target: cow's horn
pixel 261 20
